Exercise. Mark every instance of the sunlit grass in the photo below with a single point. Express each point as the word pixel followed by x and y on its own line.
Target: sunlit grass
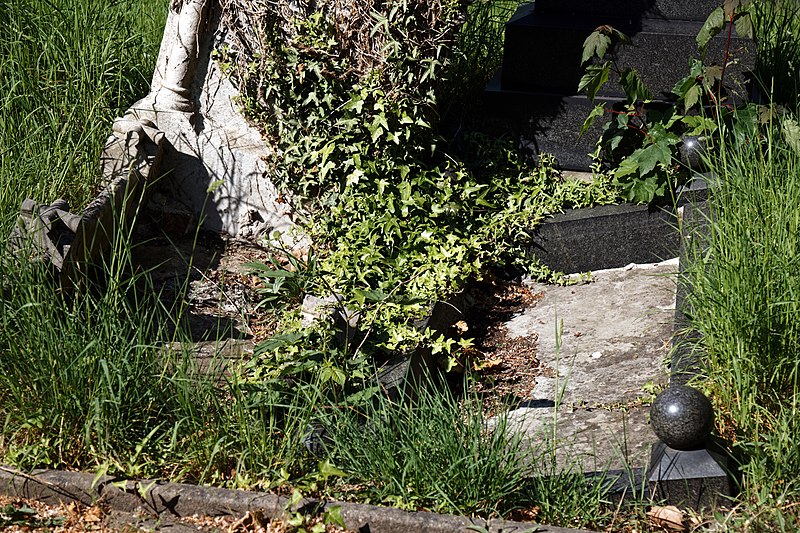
pixel 67 68
pixel 744 300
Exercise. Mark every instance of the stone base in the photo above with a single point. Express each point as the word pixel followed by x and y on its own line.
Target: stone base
pixel 697 479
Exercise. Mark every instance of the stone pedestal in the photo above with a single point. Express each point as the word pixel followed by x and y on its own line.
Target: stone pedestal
pixel 697 479
pixel 536 90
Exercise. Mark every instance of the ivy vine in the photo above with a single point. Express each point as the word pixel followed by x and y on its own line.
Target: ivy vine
pixel 398 221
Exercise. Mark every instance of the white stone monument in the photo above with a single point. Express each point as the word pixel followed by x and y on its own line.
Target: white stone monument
pixel 215 160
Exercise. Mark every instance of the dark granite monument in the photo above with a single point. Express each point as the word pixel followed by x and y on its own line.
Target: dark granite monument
pixel 536 91
pixel 688 467
pixel 682 418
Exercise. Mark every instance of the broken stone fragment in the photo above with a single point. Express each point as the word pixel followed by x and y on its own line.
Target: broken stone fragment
pixel 50 233
pixel 44 232
pixel 330 308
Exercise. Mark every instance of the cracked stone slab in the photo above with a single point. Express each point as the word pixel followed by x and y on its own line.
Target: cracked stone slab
pixel 606 345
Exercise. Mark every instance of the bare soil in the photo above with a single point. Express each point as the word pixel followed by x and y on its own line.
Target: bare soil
pixel 506 367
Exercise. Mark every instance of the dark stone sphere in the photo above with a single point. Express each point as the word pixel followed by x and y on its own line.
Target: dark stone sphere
pixel 690 151
pixel 682 417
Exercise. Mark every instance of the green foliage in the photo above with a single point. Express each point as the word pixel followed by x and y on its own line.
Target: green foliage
pixel 22 516
pixel 476 55
pixel 642 140
pixel 397 221
pixel 285 285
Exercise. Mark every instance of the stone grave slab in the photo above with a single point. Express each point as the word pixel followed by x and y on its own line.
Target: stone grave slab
pixel 535 94
pixel 614 343
pixel 696 10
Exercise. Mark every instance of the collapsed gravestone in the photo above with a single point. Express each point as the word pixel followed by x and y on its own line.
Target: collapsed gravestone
pixel 66 243
pixel 188 139
pixel 535 92
pixel 214 159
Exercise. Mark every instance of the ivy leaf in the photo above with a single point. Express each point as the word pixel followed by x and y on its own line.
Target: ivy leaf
pixel 277 341
pixel 598 111
pixel 333 516
pixel 634 87
pixel 356 104
pixel 596 76
pixel 374 295
pixel 377 126
pixel 596 44
pixel 326 470
pixel 711 27
pixel 791 133
pixel 333 373
pixel 744 26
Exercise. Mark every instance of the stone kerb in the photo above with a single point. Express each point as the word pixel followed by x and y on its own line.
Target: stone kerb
pixel 171 500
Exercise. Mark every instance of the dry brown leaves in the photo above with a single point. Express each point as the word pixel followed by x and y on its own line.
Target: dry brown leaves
pixel 670 518
pixel 506 366
pixel 22 515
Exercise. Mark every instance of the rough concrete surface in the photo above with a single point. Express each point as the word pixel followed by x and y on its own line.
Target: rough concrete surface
pixel 612 347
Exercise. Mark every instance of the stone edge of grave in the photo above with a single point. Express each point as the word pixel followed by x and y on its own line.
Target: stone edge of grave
pixel 613 236
pixel 159 498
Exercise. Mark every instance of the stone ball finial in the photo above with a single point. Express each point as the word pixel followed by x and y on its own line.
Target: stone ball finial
pixel 682 417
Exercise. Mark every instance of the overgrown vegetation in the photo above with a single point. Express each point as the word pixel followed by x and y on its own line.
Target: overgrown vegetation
pixel 397 220
pixel 648 143
pixel 87 379
pixel 352 104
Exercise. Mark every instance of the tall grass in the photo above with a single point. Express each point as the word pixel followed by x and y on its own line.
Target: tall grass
pixel 432 450
pixel 776 29
pixel 439 451
pixel 744 296
pixel 478 53
pixel 744 283
pixel 88 381
pixel 67 68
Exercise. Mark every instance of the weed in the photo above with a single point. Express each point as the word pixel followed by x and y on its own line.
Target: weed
pixel 743 297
